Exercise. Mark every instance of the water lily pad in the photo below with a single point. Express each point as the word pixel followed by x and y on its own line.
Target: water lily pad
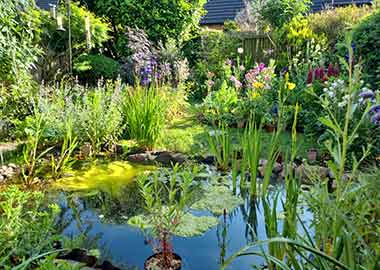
pixel 217 199
pixel 190 225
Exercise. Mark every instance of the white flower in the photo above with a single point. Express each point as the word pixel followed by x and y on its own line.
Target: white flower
pixel 240 50
pixel 325 90
pixel 331 94
pixel 341 104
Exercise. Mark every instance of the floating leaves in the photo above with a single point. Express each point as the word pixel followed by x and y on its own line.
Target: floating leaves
pixel 217 199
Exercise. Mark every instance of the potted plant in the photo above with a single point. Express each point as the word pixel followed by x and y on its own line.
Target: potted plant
pixel 165 206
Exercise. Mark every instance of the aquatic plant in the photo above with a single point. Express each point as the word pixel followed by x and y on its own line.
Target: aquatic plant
pixel 218 200
pixel 251 144
pixel 31 155
pixel 220 145
pixel 190 225
pixel 144 112
pixel 65 159
pixel 165 218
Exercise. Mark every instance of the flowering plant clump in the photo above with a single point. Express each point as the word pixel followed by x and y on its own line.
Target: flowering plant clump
pixel 260 77
pixel 320 74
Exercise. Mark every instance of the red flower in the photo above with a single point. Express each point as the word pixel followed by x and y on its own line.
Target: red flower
pixel 317 74
pixel 310 77
pixel 330 71
pixel 322 73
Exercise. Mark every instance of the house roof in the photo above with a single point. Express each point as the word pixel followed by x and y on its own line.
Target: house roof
pixel 45 4
pixel 321 4
pixel 219 11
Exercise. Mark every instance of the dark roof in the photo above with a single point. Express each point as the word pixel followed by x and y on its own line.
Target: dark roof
pixel 219 11
pixel 45 4
pixel 321 4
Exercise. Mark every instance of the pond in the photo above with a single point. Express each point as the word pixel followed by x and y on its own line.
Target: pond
pixel 99 215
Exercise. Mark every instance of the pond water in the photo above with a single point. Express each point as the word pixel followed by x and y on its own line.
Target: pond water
pixel 99 216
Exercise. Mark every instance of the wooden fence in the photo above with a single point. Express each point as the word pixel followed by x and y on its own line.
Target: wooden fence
pixel 258 48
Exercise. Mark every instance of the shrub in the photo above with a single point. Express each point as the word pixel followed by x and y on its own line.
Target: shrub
pixel 294 39
pixel 144 113
pixel 367 42
pixel 91 68
pixel 209 54
pixel 93 113
pixel 333 23
pixel 26 226
pixel 280 12
pixel 19 36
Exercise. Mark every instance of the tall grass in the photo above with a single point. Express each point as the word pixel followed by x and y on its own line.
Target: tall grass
pixel 144 111
pixel 252 148
pixel 220 143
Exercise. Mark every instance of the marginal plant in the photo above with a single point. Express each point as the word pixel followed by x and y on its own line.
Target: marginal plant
pixel 144 112
pixel 65 158
pixel 220 144
pixel 252 148
pixel 31 155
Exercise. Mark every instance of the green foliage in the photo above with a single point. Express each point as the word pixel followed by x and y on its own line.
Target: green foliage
pixel 367 41
pixel 333 23
pixel 218 199
pixel 144 112
pixel 280 12
pixel 190 225
pixel 55 41
pixel 295 39
pixel 220 105
pixel 159 19
pixel 91 68
pixel 165 215
pixel 251 148
pixel 19 35
pixel 208 53
pixel 26 226
pixel 220 144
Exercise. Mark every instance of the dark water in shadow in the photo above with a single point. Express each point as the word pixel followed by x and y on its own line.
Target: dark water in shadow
pixel 102 221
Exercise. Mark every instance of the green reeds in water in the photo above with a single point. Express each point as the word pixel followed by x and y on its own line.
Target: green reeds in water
pixel 251 144
pixel 220 143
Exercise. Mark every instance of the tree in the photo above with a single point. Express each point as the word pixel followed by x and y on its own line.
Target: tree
pixel 160 19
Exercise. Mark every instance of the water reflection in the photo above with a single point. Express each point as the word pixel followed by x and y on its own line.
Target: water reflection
pixel 101 221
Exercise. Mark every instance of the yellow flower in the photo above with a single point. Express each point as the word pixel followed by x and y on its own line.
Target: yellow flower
pixel 290 86
pixel 258 85
pixel 255 94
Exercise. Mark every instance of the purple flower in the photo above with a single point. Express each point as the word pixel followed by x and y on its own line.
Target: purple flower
pixel 367 94
pixel 261 66
pixel 376 119
pixel 375 109
pixel 229 62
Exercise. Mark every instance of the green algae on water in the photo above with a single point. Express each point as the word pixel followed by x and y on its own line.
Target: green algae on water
pixel 107 177
pixel 190 225
pixel 217 199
